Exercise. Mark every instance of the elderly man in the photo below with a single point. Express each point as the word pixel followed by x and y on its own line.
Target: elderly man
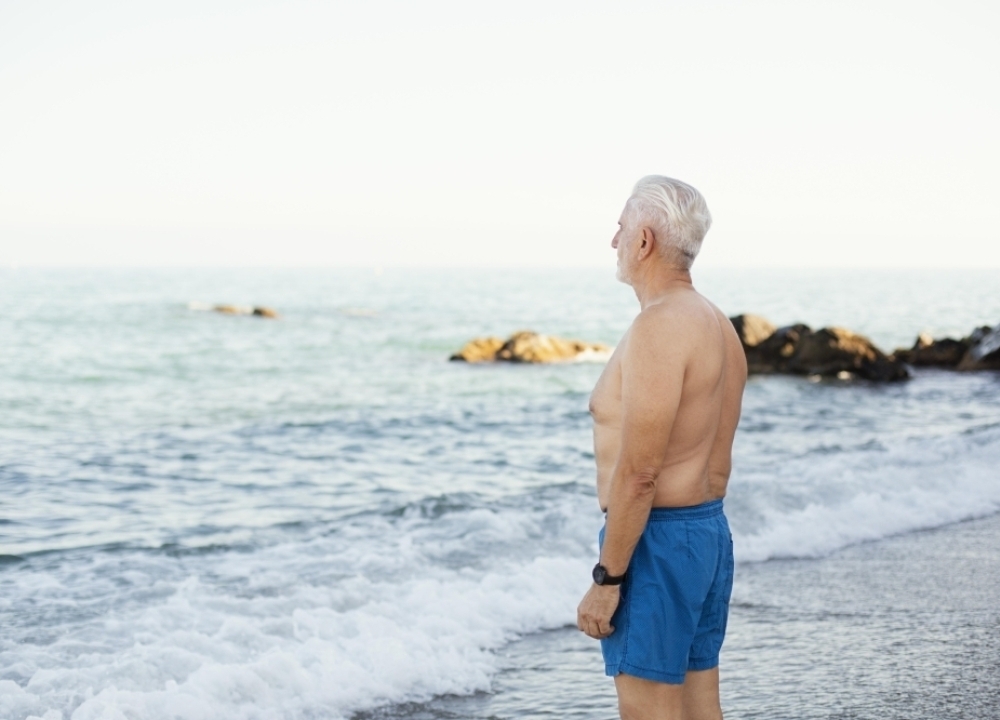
pixel 665 412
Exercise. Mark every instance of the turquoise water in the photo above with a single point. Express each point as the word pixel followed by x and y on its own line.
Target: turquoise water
pixel 231 517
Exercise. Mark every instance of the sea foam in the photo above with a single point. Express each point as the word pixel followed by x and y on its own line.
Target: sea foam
pixel 860 496
pixel 267 635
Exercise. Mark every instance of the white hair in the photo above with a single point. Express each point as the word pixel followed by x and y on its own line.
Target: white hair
pixel 675 211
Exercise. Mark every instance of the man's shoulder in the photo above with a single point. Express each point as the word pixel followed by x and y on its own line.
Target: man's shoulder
pixel 688 325
pixel 683 310
pixel 659 332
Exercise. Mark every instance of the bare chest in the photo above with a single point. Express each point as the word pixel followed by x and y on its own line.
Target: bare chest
pixel 606 399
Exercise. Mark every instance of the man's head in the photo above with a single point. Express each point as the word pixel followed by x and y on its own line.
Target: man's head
pixel 664 221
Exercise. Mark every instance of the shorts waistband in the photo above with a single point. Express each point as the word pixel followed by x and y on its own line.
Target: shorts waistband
pixel 691 512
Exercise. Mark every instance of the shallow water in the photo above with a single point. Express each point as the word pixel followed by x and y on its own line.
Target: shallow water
pixel 229 517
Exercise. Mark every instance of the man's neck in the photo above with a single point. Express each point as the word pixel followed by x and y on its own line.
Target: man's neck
pixel 657 280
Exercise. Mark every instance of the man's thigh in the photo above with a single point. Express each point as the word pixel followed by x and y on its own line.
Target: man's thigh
pixel 696 699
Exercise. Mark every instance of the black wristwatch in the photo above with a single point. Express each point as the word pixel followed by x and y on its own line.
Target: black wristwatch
pixel 601 576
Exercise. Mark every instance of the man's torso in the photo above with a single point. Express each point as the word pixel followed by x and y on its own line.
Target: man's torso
pixel 699 449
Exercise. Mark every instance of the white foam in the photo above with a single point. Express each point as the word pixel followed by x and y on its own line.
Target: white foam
pixel 401 626
pixel 870 495
pixel 405 606
pixel 406 641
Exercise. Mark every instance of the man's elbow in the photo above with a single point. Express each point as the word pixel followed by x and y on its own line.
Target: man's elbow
pixel 642 483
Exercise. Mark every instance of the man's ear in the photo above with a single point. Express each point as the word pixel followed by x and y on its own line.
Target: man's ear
pixel 648 243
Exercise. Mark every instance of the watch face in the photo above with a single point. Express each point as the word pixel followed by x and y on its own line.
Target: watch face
pixel 599 574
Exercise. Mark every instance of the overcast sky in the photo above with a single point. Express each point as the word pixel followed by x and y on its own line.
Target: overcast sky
pixel 436 133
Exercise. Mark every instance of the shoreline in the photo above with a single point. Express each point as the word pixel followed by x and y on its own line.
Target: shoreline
pixel 902 628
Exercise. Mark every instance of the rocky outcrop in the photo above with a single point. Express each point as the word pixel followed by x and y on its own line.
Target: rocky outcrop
pixel 799 350
pixel 752 329
pixel 835 351
pixel 980 350
pixel 772 354
pixel 528 347
pixel 928 352
pixel 479 350
pixel 257 311
pixel 984 350
pixel 793 349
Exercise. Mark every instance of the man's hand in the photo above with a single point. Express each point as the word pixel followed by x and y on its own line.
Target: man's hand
pixel 593 616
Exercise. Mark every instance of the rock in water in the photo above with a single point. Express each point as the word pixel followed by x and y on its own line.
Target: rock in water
pixel 833 351
pixel 530 347
pixel 928 352
pixel 258 311
pixel 752 329
pixel 984 350
pixel 773 354
pixel 479 350
pixel 527 347
pixel 232 309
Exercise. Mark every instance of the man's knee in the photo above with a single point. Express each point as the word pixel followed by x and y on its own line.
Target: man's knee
pixel 640 699
pixel 702 712
pixel 701 695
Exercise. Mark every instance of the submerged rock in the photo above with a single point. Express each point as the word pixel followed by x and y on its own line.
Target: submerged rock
pixel 527 347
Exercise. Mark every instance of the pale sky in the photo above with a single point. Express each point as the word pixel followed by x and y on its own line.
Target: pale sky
pixel 437 133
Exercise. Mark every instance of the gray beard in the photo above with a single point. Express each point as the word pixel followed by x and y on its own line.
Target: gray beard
pixel 622 274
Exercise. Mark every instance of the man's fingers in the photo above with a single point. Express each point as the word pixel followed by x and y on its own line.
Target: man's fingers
pixel 590 619
pixel 595 628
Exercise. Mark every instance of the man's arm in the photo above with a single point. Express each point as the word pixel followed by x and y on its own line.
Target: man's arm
pixel 652 379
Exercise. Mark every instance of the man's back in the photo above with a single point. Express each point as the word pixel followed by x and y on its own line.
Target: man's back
pixel 698 451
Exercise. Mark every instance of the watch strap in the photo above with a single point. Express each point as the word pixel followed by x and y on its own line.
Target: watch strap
pixel 601 576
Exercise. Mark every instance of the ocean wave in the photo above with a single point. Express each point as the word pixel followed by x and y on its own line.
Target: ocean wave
pixel 860 496
pixel 200 655
pixel 414 600
pixel 376 610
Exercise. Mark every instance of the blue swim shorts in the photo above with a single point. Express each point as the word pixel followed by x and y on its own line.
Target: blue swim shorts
pixel 675 598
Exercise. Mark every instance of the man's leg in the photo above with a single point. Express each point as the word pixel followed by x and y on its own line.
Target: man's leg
pixel 701 695
pixel 640 699
pixel 696 699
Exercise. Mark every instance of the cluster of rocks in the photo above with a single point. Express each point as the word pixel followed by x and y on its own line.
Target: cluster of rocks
pixel 833 351
pixel 256 311
pixel 528 347
pixel 827 352
pixel 980 350
pixel 794 350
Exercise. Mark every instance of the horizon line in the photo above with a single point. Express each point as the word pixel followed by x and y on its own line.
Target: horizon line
pixel 467 266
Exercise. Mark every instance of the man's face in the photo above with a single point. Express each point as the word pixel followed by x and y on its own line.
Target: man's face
pixel 623 242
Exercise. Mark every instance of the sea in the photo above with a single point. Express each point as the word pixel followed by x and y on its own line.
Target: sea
pixel 218 517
